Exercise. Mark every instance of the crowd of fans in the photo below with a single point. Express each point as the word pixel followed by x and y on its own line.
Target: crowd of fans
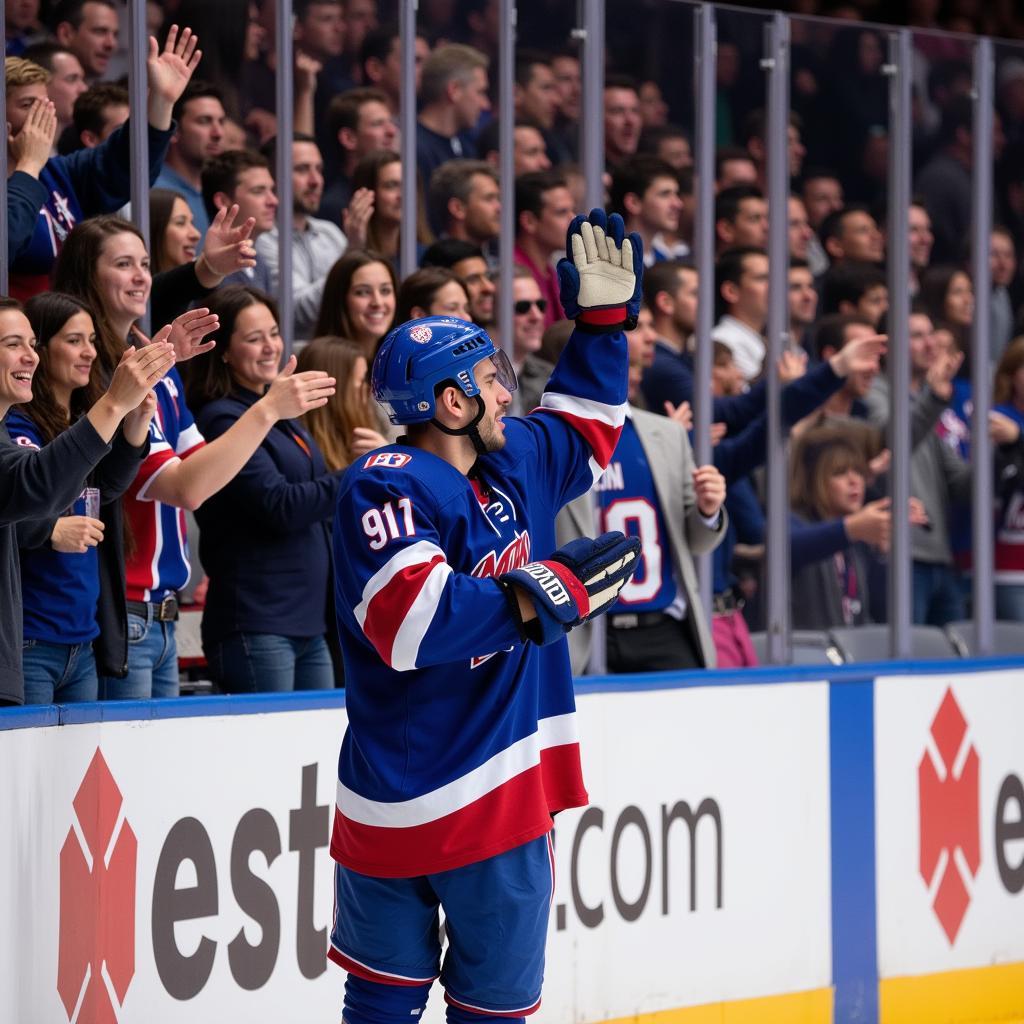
pixel 257 450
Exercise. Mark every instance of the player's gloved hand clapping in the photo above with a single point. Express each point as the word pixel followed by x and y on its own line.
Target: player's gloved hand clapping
pixel 599 278
pixel 580 580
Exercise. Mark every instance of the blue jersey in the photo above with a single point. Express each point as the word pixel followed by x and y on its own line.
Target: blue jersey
pixel 628 502
pixel 462 739
pixel 59 591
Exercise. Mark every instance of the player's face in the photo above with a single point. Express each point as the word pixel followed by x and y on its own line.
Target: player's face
pixel 70 354
pixel 254 349
pixel 18 359
pixel 496 401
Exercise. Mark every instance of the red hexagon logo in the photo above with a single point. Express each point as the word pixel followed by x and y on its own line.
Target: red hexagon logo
pixel 96 959
pixel 949 816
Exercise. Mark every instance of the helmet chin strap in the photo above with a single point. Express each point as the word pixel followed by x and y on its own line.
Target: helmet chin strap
pixel 470 430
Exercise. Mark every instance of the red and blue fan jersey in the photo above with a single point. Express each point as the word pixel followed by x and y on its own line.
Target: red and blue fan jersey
pixel 158 562
pixel 628 502
pixel 462 739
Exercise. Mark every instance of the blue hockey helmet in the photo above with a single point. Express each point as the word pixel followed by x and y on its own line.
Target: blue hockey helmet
pixel 419 355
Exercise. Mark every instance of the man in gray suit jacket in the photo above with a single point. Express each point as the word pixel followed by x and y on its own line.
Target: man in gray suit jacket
pixel 651 488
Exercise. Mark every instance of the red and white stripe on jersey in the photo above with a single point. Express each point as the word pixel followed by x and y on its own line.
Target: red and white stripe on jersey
pixel 399 602
pixel 599 424
pixel 397 838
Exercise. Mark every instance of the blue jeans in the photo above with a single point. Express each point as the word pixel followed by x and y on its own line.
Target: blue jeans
pixel 59 673
pixel 152 662
pixel 938 598
pixel 265 662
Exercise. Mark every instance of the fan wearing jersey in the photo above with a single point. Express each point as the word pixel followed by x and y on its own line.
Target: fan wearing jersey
pixel 453 604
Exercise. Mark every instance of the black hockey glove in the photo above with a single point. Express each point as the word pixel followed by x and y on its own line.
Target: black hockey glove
pixel 576 583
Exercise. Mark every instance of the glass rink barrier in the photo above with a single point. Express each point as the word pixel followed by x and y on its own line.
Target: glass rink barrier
pixel 804 844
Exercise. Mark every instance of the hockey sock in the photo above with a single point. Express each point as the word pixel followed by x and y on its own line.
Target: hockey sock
pixel 370 1002
pixel 457 1015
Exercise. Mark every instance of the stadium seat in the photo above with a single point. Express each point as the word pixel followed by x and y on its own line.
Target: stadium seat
pixel 871 643
pixel 1007 637
pixel 809 647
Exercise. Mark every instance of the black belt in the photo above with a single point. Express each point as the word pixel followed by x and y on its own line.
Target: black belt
pixel 163 611
pixel 726 602
pixel 638 620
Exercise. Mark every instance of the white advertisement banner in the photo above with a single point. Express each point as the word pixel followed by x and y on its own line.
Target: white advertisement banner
pixel 949 821
pixel 176 870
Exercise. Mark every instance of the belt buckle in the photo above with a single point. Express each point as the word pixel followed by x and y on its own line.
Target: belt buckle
pixel 625 621
pixel 168 609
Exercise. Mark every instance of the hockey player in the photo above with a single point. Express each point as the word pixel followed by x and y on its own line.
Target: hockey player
pixel 462 741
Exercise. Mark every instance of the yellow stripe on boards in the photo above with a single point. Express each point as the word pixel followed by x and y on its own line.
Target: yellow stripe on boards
pixel 982 995
pixel 814 1007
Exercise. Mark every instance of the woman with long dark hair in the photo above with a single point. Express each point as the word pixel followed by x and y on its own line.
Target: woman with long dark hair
pixel 172 232
pixel 105 262
pixel 359 299
pixel 264 538
pixel 61 559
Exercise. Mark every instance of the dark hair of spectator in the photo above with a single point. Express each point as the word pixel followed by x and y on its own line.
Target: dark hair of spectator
pixel 830 331
pixel 943 75
pixel 420 289
pixel 957 116
pixel 798 263
pixel 210 378
pixel 333 424
pixel 489 138
pixel 934 286
pixel 818 455
pixel 848 281
pixel 617 81
pixel 343 110
pixel 301 7
pixel 197 89
pixel 8 302
pixel 269 148
pixel 652 138
pixel 87 112
pixel 526 61
pixel 42 53
pixel 664 276
pixel 75 274
pixel 636 175
pixel 221 173
pixel 454 180
pixel 449 251
pixel 728 201
pixel 755 124
pixel 725 154
pixel 731 266
pixel 72 11
pixel 1009 366
pixel 334 318
pixel 531 189
pixel 161 206
pixel 378 42
pixel 832 225
pixel 48 313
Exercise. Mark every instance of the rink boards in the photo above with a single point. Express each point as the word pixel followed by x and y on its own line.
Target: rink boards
pixel 782 846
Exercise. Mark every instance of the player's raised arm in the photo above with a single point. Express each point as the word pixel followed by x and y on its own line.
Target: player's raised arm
pixel 600 279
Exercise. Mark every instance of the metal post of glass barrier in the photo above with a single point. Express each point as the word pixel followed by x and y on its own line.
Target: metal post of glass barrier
pixel 899 70
pixel 138 125
pixel 593 102
pixel 776 64
pixel 981 350
pixel 407 136
pixel 506 127
pixel 284 98
pixel 704 250
pixel 3 174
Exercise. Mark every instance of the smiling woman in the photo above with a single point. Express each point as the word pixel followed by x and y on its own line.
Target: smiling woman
pixel 174 236
pixel 263 538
